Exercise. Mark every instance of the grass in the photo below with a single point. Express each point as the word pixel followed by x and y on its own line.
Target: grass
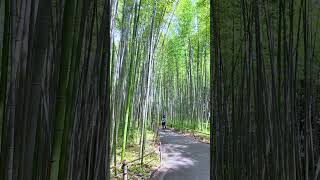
pixel 198 131
pixel 151 157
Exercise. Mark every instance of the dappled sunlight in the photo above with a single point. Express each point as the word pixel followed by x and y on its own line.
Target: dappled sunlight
pixel 176 157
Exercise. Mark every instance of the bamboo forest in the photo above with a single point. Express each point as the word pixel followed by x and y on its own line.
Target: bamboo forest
pixel 159 89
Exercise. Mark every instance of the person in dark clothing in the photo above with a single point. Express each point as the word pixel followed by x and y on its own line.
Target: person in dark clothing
pixel 163 122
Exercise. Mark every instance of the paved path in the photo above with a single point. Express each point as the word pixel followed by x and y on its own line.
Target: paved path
pixel 182 158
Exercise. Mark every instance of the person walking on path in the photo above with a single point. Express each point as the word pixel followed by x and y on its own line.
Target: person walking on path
pixel 163 122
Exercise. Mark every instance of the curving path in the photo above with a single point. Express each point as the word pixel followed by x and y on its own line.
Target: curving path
pixel 182 158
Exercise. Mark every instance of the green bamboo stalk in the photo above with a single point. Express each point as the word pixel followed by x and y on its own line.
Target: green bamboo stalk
pixel 71 89
pixel 131 78
pixel 59 127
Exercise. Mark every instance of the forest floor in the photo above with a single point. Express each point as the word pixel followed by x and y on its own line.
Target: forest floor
pixel 151 158
pixel 182 158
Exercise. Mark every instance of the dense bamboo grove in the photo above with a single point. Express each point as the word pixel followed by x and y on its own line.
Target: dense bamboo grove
pixel 64 62
pixel 81 81
pixel 160 66
pixel 54 95
pixel 265 89
pixel 183 67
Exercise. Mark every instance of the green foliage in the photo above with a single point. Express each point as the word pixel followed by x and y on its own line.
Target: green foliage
pixel 185 18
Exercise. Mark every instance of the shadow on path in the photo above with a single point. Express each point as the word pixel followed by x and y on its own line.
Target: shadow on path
pixel 182 158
